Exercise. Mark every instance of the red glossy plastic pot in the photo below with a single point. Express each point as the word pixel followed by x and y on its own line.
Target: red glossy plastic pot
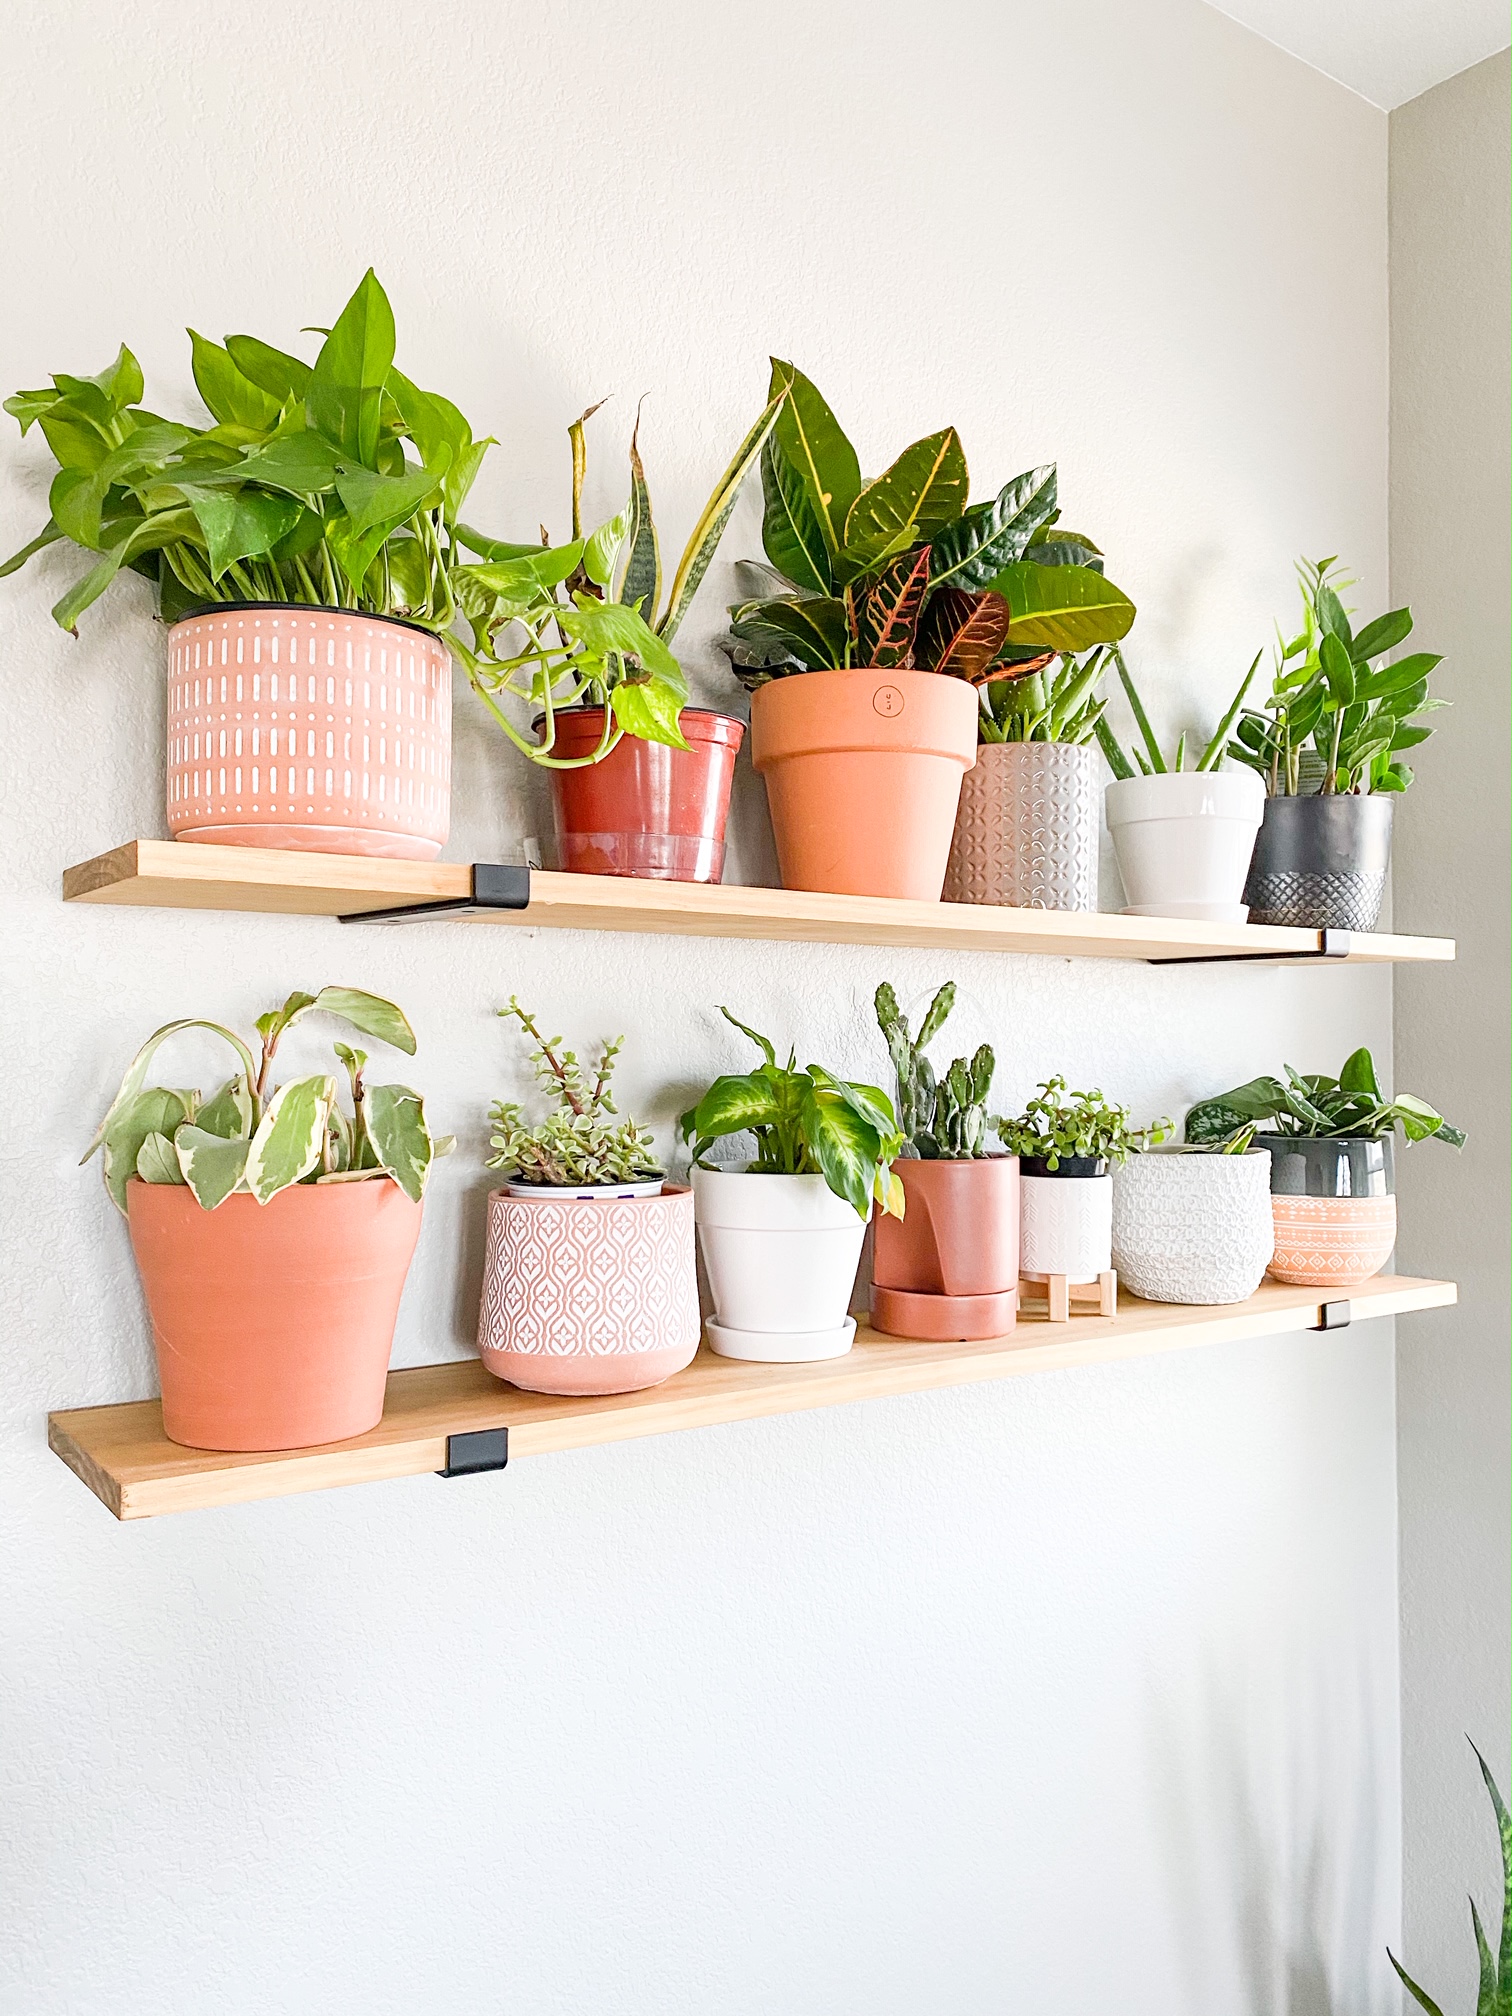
pixel 646 809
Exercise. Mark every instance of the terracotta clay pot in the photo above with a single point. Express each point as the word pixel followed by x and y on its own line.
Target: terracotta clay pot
pixel 273 1322
pixel 595 1295
pixel 1333 1206
pixel 863 772
pixel 309 729
pixel 1027 830
pixel 646 809
pixel 948 1269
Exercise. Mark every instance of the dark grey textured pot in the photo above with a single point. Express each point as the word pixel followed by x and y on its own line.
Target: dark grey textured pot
pixel 1328 1166
pixel 1321 862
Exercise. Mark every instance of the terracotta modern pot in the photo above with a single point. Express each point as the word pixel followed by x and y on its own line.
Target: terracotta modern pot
pixel 309 729
pixel 646 809
pixel 1333 1207
pixel 948 1269
pixel 273 1322
pixel 1027 830
pixel 589 1296
pixel 863 772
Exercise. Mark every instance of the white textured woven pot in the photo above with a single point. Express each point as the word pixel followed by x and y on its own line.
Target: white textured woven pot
pixel 1026 829
pixel 1065 1227
pixel 589 1296
pixel 781 1254
pixel 1184 841
pixel 1192 1228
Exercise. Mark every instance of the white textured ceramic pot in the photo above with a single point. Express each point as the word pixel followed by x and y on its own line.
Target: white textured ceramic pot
pixel 589 1296
pixel 781 1254
pixel 1192 1228
pixel 1184 841
pixel 1026 829
pixel 1066 1221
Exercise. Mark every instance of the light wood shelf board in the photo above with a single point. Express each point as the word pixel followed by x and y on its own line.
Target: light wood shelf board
pixel 177 875
pixel 123 1456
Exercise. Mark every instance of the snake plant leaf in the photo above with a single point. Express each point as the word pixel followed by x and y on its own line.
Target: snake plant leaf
pixel 712 520
pixel 289 1138
pixel 155 1111
pixel 282 377
pixel 136 1071
pixel 1504 1835
pixel 156 1161
pixel 344 397
pixel 924 491
pixel 791 533
pixel 49 535
pixel 962 632
pixel 887 614
pixel 602 548
pixel 1422 1999
pixel 1062 608
pixel 228 1112
pixel 731 1105
pixel 210 1164
pixel 227 391
pixel 240 525
pixel 816 458
pixel 640 581
pixel 1487 2002
pixel 814 627
pixel 845 1146
pixel 577 437
pixel 368 1012
pixel 401 1140
pixel 984 539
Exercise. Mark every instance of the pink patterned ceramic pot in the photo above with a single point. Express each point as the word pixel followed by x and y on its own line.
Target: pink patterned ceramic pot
pixel 589 1295
pixel 311 729
pixel 1332 1242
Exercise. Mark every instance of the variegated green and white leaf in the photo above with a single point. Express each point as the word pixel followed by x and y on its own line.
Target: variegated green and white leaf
pixel 367 1012
pixel 136 1071
pixel 401 1140
pixel 289 1139
pixel 155 1111
pixel 229 1112
pixel 210 1164
pixel 712 520
pixel 156 1161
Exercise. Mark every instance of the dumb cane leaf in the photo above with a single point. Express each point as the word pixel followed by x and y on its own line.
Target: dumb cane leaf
pixel 155 1111
pixel 1062 608
pixel 846 1146
pixel 962 632
pixel 924 491
pixel 210 1164
pixel 732 1105
pixel 712 520
pixel 156 1161
pixel 818 478
pixel 988 537
pixel 887 614
pixel 288 1141
pixel 400 1138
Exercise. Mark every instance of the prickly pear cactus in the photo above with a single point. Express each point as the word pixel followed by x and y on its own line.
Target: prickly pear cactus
pixel 942 1119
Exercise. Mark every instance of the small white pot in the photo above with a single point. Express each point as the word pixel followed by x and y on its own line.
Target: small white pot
pixel 1193 1228
pixel 590 1192
pixel 1065 1227
pixel 781 1254
pixel 1184 841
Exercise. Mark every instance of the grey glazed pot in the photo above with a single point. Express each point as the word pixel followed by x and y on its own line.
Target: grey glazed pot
pixel 1192 1228
pixel 1321 862
pixel 1026 831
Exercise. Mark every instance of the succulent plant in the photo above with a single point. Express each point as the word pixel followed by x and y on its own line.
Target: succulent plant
pixel 1065 1125
pixel 581 1142
pixel 943 1119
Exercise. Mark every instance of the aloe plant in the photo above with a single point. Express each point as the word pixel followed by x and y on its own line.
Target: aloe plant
pixel 1045 702
pixel 1058 1124
pixel 1151 759
pixel 248 1137
pixel 903 570
pixel 1311 1105
pixel 1494 1989
pixel 942 1119
pixel 581 1141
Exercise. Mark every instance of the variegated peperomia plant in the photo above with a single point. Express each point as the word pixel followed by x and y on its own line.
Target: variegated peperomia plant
pixel 247 1137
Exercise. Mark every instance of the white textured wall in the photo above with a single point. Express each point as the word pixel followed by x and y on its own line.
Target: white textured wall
pixel 1449 539
pixel 980 1700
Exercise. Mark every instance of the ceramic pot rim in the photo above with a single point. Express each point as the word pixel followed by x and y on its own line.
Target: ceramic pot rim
pixel 1071 1168
pixel 306 609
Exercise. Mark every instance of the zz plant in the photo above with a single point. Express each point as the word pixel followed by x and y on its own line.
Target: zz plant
pixel 1060 1125
pixel 942 1119
pixel 582 1141
pixel 805 1123
pixel 1311 1106
pixel 247 1137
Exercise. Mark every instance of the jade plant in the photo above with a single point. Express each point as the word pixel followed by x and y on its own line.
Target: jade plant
pixel 1351 1107
pixel 1494 1991
pixel 942 1119
pixel 245 1136
pixel 1151 759
pixel 582 1141
pixel 1061 1125
pixel 805 1122
pixel 903 570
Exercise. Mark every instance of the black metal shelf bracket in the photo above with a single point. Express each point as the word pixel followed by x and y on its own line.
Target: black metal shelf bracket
pixel 1332 1316
pixel 471 1455
pixel 1331 945
pixel 496 885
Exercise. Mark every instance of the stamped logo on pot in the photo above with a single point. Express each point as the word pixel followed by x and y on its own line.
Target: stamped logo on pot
pixel 888 702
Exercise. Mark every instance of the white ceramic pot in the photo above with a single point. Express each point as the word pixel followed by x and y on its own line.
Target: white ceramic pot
pixel 1184 841
pixel 781 1254
pixel 589 1192
pixel 1192 1228
pixel 1066 1226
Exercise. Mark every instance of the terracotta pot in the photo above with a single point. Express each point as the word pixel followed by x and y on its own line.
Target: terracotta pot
pixel 863 773
pixel 589 1296
pixel 948 1269
pixel 1026 833
pixel 1333 1208
pixel 646 809
pixel 273 1322
pixel 309 729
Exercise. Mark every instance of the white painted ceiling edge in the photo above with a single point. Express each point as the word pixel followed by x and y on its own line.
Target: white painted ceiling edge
pixel 1386 50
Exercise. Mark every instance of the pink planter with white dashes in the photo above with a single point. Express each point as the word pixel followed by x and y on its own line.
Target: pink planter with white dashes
pixel 311 729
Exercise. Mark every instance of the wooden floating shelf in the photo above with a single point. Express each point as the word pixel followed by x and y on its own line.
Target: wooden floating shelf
pixel 176 875
pixel 123 1456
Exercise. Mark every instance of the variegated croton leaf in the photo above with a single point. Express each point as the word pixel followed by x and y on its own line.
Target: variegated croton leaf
pixel 962 632
pixel 885 615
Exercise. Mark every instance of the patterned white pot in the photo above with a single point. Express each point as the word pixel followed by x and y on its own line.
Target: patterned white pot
pixel 310 729
pixel 589 1296
pixel 1192 1228
pixel 1026 831
pixel 1065 1226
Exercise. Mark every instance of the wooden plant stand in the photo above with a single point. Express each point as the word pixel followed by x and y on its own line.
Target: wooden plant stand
pixel 1059 1294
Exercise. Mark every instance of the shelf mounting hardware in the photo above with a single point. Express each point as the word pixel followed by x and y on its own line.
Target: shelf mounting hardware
pixel 1332 1316
pixel 1331 945
pixel 496 885
pixel 484 1449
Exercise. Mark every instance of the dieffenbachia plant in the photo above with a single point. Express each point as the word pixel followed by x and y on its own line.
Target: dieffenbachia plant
pixel 943 1119
pixel 582 1140
pixel 904 570
pixel 1153 763
pixel 248 1137
pixel 805 1123
pixel 1059 1124
pixel 1311 1106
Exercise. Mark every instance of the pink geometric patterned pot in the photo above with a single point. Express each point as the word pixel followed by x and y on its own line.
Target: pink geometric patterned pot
pixel 310 729
pixel 589 1295
pixel 1332 1242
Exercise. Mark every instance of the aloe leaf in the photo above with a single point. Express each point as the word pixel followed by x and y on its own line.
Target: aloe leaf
pixel 924 491
pixel 962 632
pixel 155 1111
pixel 344 396
pixel 1113 751
pixel 210 1164
pixel 290 1136
pixel 712 520
pixel 401 1140
pixel 640 582
pixel 986 538
pixel 887 615
pixel 1062 608
pixel 156 1161
pixel 136 1070
pixel 368 1012
pixel 814 453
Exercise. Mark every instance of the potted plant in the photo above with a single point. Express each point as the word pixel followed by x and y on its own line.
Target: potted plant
pixel 273 1230
pixel 948 1267
pixel 1330 1143
pixel 891 598
pixel 1066 1143
pixel 589 1281
pixel 1193 1224
pixel 1183 837
pixel 781 1238
pixel 1494 1965
pixel 1329 745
